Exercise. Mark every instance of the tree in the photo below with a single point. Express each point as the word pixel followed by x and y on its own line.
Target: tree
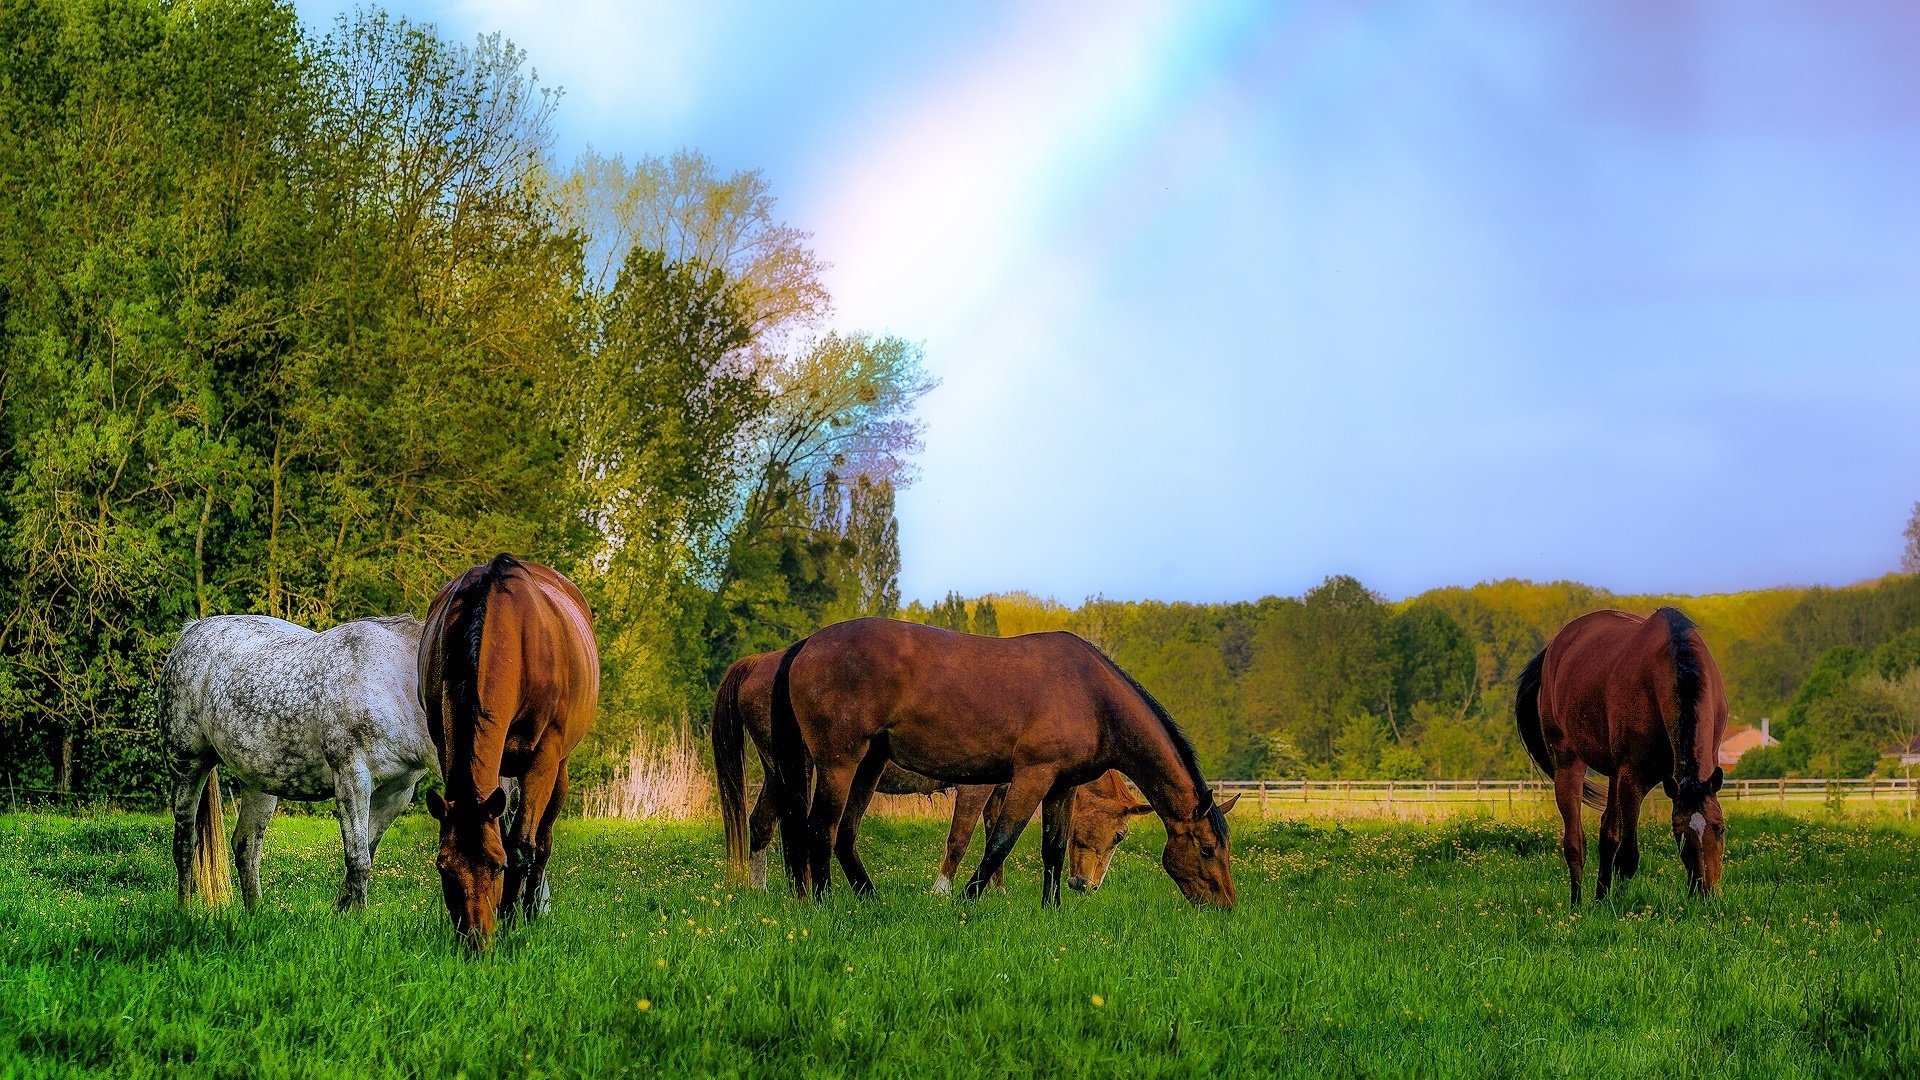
pixel 986 621
pixel 1910 555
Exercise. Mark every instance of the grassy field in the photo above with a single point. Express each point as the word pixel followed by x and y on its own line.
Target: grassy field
pixel 1379 950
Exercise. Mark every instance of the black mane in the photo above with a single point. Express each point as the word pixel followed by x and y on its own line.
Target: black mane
pixel 466 626
pixel 1692 791
pixel 1182 746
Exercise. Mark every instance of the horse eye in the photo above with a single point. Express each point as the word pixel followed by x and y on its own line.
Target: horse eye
pixel 1206 852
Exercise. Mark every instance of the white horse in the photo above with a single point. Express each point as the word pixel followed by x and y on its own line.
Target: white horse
pixel 292 714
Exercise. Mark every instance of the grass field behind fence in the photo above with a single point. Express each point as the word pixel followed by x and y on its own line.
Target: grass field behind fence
pixel 1374 949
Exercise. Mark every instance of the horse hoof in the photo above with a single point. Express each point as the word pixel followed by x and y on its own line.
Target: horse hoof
pixel 941 886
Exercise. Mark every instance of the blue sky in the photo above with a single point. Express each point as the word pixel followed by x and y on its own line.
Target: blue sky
pixel 1228 297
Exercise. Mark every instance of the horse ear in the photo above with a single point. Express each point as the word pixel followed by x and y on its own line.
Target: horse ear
pixel 1142 808
pixel 1714 781
pixel 1227 807
pixel 1672 791
pixel 495 805
pixel 436 806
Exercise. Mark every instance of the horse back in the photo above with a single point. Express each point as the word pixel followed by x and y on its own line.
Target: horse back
pixel 958 707
pixel 507 661
pixel 1610 691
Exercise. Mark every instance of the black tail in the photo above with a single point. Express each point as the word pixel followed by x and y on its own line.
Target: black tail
pixel 460 648
pixel 730 768
pixel 789 779
pixel 1526 715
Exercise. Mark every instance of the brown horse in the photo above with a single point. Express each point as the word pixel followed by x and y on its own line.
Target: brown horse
pixel 509 675
pixel 1042 713
pixel 745 701
pixel 1639 701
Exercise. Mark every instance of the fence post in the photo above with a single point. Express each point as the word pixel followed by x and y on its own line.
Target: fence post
pixel 1783 793
pixel 1389 793
pixel 1263 800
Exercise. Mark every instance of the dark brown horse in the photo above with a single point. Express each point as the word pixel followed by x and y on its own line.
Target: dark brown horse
pixel 509 675
pixel 745 702
pixel 1042 713
pixel 1639 701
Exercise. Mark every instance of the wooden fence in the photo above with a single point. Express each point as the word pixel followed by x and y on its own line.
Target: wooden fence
pixel 1269 798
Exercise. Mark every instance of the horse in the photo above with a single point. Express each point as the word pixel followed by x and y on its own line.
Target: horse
pixel 1638 700
pixel 1042 713
pixel 292 714
pixel 509 676
pixel 744 701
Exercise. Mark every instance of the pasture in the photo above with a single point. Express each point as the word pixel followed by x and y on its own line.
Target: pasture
pixel 1369 948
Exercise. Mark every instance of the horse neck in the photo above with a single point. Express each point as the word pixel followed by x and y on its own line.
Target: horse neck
pixel 1150 760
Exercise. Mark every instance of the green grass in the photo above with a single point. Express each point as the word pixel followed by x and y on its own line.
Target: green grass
pixel 1381 950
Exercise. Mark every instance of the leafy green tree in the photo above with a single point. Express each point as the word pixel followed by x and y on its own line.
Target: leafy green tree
pixel 1357 748
pixel 1277 758
pixel 986 621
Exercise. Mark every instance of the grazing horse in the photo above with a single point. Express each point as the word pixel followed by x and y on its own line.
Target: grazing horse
pixel 1042 713
pixel 509 675
pixel 1639 701
pixel 292 714
pixel 1101 811
pixel 745 700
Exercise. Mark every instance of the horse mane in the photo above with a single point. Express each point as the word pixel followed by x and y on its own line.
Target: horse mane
pixel 1686 690
pixel 391 620
pixel 466 626
pixel 1182 746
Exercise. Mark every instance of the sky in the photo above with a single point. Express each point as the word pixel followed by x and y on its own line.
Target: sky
pixel 1228 297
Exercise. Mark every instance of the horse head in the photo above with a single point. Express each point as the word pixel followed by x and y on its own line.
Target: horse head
pixel 472 861
pixel 1099 824
pixel 1699 829
pixel 1196 856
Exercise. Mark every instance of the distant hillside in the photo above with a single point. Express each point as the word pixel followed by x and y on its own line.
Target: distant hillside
pixel 1340 682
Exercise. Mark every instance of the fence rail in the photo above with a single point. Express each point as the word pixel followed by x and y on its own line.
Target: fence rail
pixel 1270 795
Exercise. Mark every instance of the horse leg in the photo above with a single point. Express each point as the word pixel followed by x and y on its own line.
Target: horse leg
pixel 545 778
pixel 832 785
pixel 865 779
pixel 1568 782
pixel 996 804
pixel 1023 796
pixel 249 839
pixel 352 799
pixel 1609 837
pixel 760 831
pixel 538 898
pixel 192 780
pixel 1056 824
pixel 388 801
pixel 968 802
pixel 1632 795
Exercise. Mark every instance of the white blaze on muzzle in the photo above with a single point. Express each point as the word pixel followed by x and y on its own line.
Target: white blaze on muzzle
pixel 1698 823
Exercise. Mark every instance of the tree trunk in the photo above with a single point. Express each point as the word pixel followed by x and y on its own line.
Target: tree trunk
pixel 63 769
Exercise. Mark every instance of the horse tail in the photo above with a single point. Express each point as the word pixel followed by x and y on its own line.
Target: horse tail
pixel 790 768
pixel 729 766
pixel 211 878
pixel 1526 715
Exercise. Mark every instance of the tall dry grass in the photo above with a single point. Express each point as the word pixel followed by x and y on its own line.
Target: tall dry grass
pixel 660 778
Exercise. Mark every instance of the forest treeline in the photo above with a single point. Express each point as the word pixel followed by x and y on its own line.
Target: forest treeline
pixel 1341 683
pixel 303 322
